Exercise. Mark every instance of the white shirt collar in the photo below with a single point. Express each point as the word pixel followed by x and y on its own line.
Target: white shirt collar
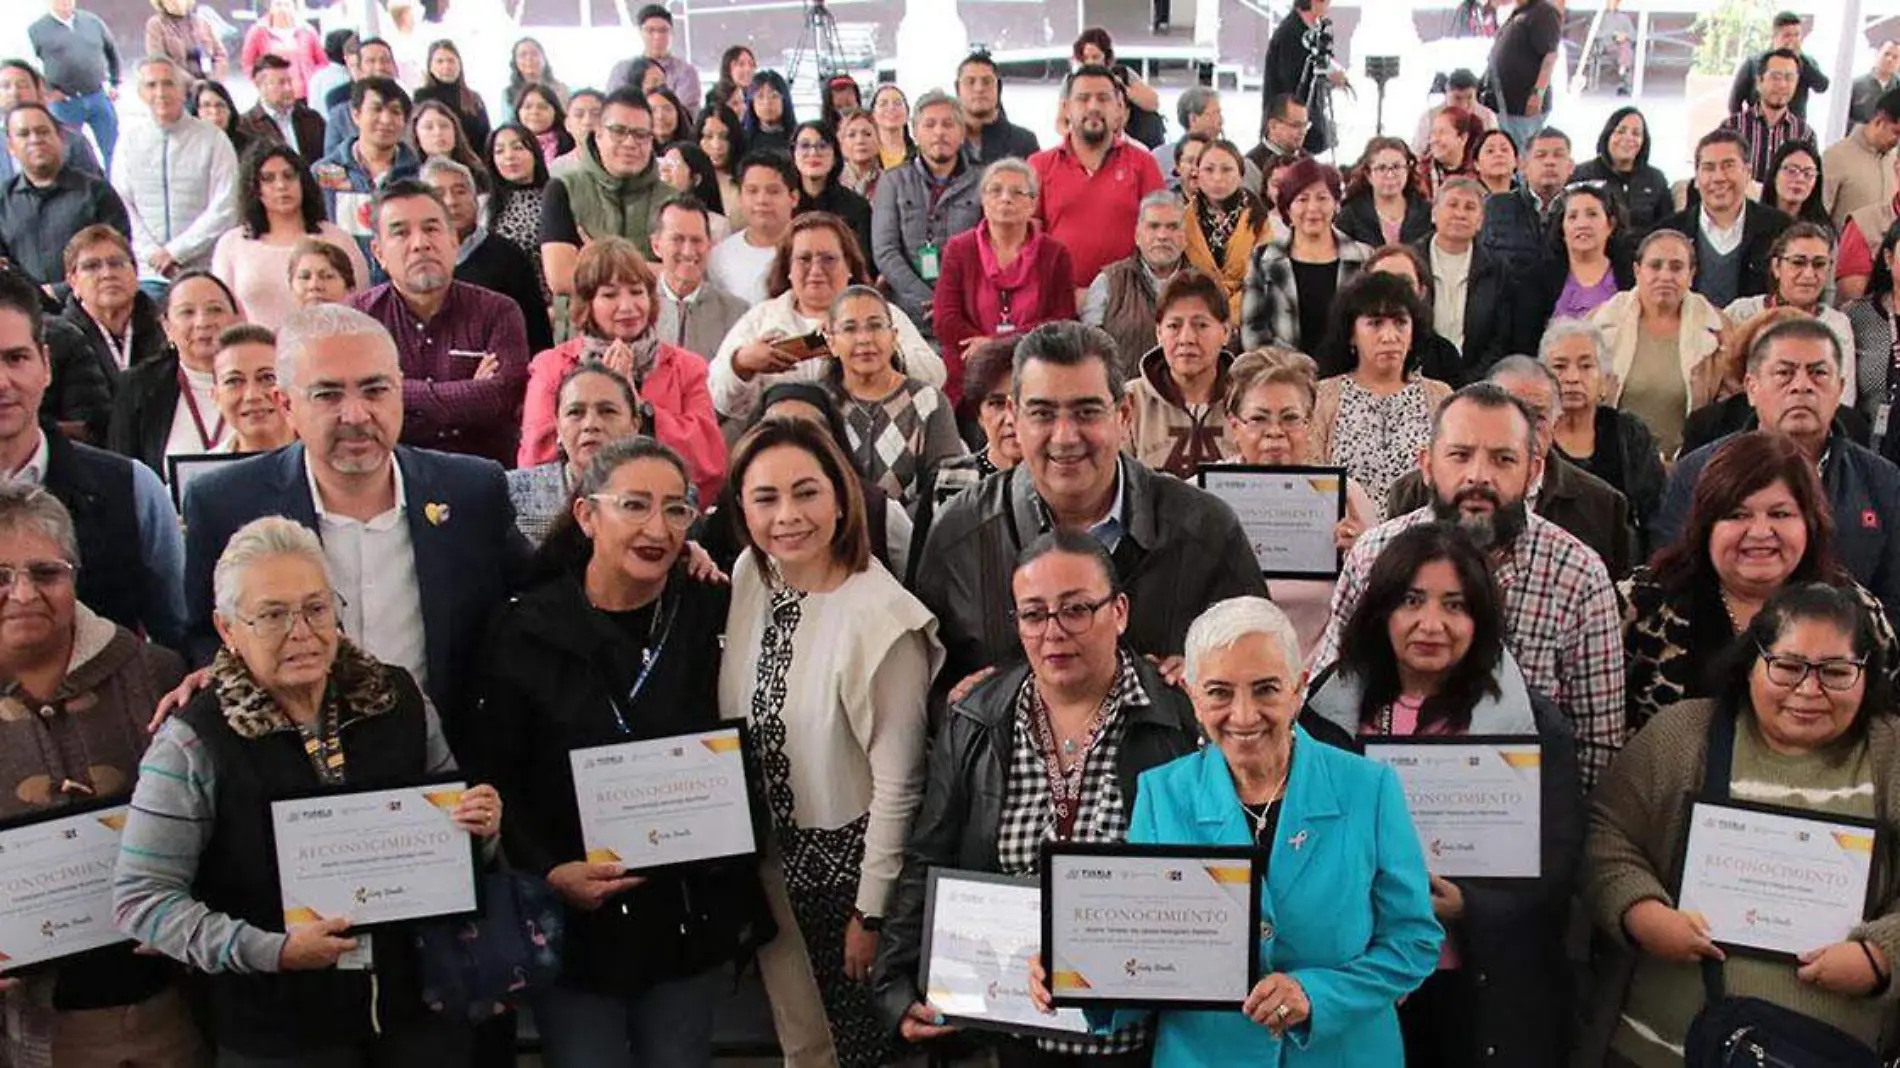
pixel 33 471
pixel 381 522
pixel 690 298
pixel 1724 239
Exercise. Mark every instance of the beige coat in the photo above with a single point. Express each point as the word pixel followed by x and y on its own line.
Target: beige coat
pixel 1698 345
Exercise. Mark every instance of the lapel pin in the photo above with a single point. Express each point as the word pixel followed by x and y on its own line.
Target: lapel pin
pixel 1297 840
pixel 436 513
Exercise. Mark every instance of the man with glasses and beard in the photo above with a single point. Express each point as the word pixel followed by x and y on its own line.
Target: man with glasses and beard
pixel 1092 183
pixel 1560 611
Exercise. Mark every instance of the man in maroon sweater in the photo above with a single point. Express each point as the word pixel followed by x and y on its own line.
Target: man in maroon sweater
pixel 464 349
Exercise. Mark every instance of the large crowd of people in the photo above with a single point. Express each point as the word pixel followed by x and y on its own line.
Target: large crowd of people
pixel 383 430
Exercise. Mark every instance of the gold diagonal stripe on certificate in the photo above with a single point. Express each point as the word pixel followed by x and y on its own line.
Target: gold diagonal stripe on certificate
pixel 1228 874
pixel 723 744
pixel 301 914
pixel 445 800
pixel 114 822
pixel 1532 758
pixel 602 856
pixel 1855 843
pixel 1324 485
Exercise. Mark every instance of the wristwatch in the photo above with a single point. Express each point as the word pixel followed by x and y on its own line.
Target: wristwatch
pixel 873 924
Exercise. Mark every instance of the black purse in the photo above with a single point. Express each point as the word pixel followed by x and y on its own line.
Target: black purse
pixel 477 967
pixel 1741 1032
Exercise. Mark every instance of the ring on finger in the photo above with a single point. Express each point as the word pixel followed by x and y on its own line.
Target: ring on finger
pixel 1282 1012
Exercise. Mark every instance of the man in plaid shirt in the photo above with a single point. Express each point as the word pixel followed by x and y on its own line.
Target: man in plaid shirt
pixel 1560 612
pixel 1770 122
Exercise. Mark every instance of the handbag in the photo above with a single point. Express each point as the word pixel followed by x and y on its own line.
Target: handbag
pixel 1743 1032
pixel 475 967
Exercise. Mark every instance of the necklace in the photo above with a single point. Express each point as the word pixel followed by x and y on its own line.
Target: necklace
pixel 1259 819
pixel 1728 608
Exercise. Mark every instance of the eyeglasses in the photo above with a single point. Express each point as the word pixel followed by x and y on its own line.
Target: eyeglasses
pixel 1007 193
pixel 870 327
pixel 1838 675
pixel 109 263
pixel 617 132
pixel 811 148
pixel 1075 618
pixel 1808 263
pixel 40 574
pixel 1796 170
pixel 824 261
pixel 639 509
pixel 1387 168
pixel 278 621
pixel 1286 422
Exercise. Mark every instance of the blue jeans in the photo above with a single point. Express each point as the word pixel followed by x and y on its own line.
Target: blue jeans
pixel 1522 128
pixel 94 110
pixel 667 1026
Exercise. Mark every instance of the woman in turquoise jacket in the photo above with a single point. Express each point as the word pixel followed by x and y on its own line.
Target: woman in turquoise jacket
pixel 1346 925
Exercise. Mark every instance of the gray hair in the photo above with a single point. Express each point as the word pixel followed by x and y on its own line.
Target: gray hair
pixel 29 509
pixel 936 98
pixel 1460 184
pixel 1193 103
pixel 157 60
pixel 1228 621
pixel 261 539
pixel 1519 365
pixel 856 293
pixel 1160 198
pixel 1802 329
pixel 321 322
pixel 444 165
pixel 1010 165
pixel 1562 330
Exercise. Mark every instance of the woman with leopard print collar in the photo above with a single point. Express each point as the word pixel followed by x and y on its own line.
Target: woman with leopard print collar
pixel 293 707
pixel 1759 520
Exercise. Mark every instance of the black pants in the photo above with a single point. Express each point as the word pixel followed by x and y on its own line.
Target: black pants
pixel 432 1040
pixel 1161 11
pixel 1436 1021
pixel 1023 1053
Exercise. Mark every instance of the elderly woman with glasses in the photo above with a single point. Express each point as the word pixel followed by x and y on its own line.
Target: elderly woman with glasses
pixel 1800 268
pixel 615 643
pixel 76 691
pixel 1084 709
pixel 593 406
pixel 1005 276
pixel 1347 930
pixel 293 707
pixel 1801 717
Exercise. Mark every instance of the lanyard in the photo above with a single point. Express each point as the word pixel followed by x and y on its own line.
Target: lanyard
pixel 209 437
pixel 323 744
pixel 1065 788
pixel 649 657
pixel 121 349
pixel 1893 356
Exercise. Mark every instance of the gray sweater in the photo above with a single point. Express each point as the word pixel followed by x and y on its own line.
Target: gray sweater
pixel 77 61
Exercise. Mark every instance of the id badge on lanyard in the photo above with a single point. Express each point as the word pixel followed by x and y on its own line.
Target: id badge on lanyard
pixel 929 263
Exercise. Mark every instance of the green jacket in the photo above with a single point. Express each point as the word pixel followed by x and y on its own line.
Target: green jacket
pixel 604 205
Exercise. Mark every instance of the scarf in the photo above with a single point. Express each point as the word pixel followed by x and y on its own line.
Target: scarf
pixel 1008 294
pixel 1218 223
pixel 645 350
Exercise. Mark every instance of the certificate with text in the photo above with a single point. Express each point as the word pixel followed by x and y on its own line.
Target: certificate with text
pixel 374 856
pixel 56 885
pixel 1776 882
pixel 980 932
pixel 1476 802
pixel 1150 925
pixel 1287 513
pixel 665 801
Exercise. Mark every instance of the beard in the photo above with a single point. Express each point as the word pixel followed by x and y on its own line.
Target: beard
pixel 1496 529
pixel 1096 136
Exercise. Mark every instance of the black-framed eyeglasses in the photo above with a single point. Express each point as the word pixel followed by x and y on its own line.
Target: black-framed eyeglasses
pixel 278 621
pixel 1838 674
pixel 1075 618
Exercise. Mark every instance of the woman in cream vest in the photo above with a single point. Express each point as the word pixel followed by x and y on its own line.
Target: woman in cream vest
pixel 1665 340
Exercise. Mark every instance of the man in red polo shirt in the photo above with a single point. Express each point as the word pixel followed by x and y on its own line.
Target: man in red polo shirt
pixel 1093 181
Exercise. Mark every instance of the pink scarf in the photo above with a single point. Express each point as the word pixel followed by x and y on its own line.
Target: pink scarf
pixel 550 145
pixel 1016 289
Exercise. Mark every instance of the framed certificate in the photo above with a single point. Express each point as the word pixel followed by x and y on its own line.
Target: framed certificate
pixel 1288 514
pixel 665 802
pixel 56 884
pixel 376 856
pixel 980 931
pixel 1150 925
pixel 181 470
pixel 1776 882
pixel 1475 801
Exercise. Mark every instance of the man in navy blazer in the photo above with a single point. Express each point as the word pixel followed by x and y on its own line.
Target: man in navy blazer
pixel 422 545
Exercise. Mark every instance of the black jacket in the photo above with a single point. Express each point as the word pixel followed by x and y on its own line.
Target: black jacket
pixel 304 122
pixel 1574 499
pixel 1003 138
pixel 278 1014
pixel 557 676
pixel 1811 79
pixel 1760 226
pixel 80 395
pixel 1627 458
pixel 117 581
pixel 37 222
pixel 1359 220
pixel 1540 288
pixel 148 334
pixel 143 410
pixel 1511 940
pixel 1645 191
pixel 966 781
pixel 1492 331
pixel 846 205
pixel 498 266
pixel 1284 72
pixel 1712 422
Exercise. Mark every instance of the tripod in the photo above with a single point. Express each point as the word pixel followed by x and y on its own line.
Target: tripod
pixel 1319 101
pixel 818 41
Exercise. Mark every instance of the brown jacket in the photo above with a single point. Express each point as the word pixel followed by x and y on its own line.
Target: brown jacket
pixel 1163 434
pixel 1637 823
pixel 1231 271
pixel 188 41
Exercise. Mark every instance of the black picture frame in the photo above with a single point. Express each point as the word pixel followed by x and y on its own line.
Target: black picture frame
pixel 1869 899
pixel 1253 856
pixel 1368 742
pixel 755 795
pixel 477 883
pixel 1303 471
pixel 977 1023
pixel 181 469
pixel 34 819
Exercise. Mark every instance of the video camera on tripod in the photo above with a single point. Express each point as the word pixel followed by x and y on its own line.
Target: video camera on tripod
pixel 1319 45
pixel 1318 87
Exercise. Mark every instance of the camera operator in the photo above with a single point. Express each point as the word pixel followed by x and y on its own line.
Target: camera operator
pixel 1286 65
